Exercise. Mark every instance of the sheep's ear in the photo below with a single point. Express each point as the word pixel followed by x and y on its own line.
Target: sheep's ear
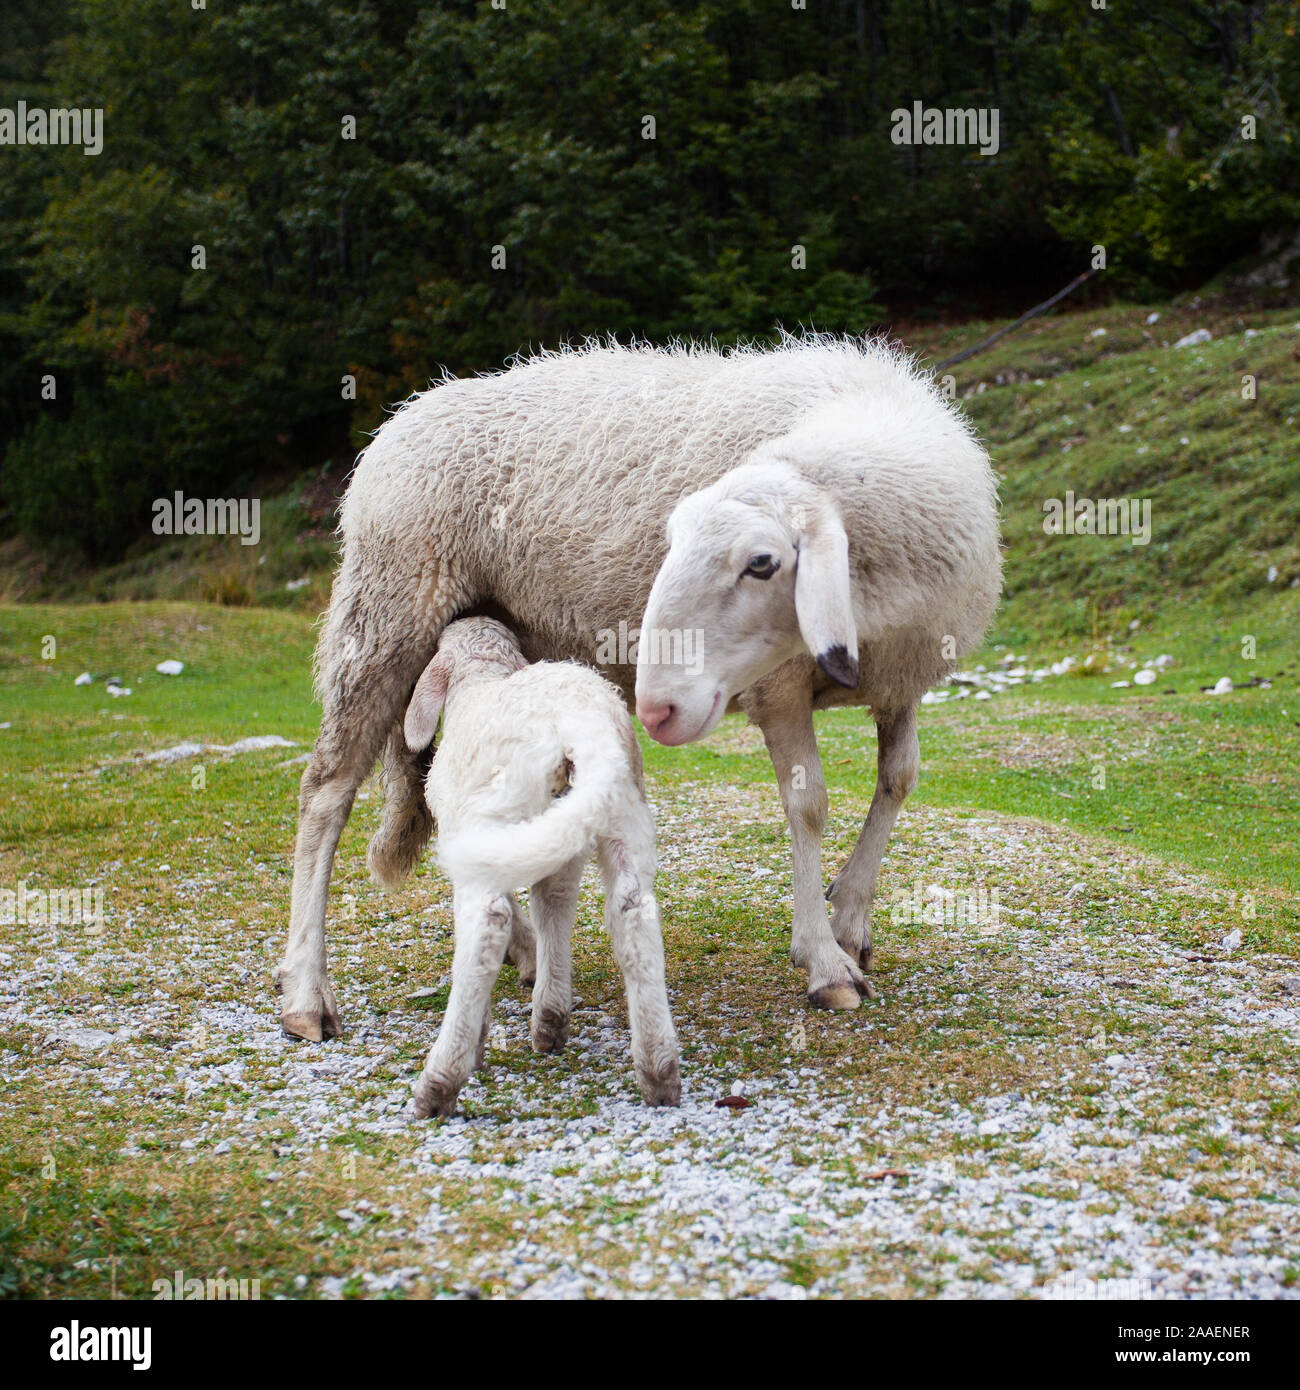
pixel 823 597
pixel 425 709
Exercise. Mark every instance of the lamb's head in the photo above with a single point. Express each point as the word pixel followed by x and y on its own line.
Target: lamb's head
pixel 757 572
pixel 470 649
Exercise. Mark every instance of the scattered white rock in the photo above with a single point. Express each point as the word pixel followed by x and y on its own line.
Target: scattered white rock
pixel 1272 574
pixel 737 1088
pixel 295 584
pixel 192 750
pixel 171 755
pixel 169 668
pixel 1153 318
pixel 92 1038
pixel 1202 335
pixel 1144 677
pixel 1119 685
pixel 1232 940
pixel 117 690
pixel 1097 333
pixel 85 678
pixel 252 745
pixel 1223 686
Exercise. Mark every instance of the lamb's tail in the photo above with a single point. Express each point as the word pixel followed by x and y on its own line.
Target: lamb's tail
pixel 502 856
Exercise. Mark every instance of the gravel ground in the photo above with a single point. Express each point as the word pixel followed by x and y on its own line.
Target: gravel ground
pixel 1064 1091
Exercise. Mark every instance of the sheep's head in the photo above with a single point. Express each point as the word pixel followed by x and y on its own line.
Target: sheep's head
pixel 757 572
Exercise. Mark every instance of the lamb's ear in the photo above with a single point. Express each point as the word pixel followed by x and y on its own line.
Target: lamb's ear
pixel 823 597
pixel 425 709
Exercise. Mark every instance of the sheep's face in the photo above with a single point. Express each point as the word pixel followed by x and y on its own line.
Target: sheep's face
pixel 751 579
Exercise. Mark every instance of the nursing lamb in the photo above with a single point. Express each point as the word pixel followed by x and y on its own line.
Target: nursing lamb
pixel 538 768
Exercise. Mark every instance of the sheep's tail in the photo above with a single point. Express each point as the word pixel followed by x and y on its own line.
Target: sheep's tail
pixel 407 823
pixel 502 856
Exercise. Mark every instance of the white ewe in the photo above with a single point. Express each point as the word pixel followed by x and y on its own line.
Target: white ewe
pixel 538 767
pixel 541 495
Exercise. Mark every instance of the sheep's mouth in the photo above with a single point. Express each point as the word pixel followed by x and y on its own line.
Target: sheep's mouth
pixel 674 735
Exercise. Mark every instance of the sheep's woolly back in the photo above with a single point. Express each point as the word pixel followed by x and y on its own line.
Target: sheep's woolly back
pixel 544 490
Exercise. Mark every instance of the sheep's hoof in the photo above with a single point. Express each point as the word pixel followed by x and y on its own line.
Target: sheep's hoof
pixel 433 1097
pixel 311 1024
pixel 312 1027
pixel 842 997
pixel 663 1087
pixel 550 1031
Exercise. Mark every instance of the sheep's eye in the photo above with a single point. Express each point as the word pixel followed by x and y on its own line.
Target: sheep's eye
pixel 762 566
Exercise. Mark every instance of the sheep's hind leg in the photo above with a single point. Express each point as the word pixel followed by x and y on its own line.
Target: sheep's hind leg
pixel 554 902
pixel 834 980
pixel 308 1008
pixel 632 920
pixel 482 934
pixel 365 676
pixel 853 889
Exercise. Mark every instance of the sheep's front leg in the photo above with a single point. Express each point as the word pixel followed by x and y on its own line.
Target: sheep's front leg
pixel 834 980
pixel 632 920
pixel 554 903
pixel 898 764
pixel 482 934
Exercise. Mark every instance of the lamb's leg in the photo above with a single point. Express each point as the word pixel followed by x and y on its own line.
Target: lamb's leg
pixel 522 951
pixel 554 902
pixel 898 765
pixel 632 920
pixel 482 934
pixel 834 980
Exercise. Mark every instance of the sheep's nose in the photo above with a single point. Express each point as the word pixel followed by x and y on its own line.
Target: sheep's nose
pixel 654 717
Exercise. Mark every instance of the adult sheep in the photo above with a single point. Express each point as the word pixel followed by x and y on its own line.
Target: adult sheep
pixel 541 495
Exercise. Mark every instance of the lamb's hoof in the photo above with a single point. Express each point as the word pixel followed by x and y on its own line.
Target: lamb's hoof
pixel 842 997
pixel 433 1097
pixel 663 1087
pixel 550 1031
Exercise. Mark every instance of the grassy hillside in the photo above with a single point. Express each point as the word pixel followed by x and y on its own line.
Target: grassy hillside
pixel 1098 402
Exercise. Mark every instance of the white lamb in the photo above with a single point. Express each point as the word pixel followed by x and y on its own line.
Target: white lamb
pixel 538 767
pixel 838 545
